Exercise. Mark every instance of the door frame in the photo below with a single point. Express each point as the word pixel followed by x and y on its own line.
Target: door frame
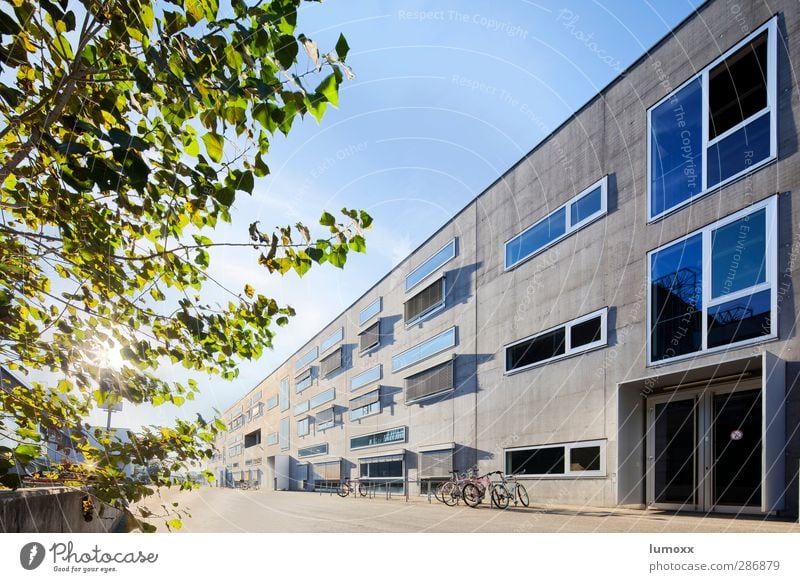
pixel 703 431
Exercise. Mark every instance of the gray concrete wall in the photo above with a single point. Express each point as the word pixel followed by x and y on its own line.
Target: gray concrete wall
pixel 54 510
pixel 602 265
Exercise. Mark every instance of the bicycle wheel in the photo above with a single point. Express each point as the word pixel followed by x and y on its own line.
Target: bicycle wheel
pixel 471 494
pixel 499 496
pixel 343 490
pixel 523 495
pixel 449 493
pixel 437 492
pixel 362 489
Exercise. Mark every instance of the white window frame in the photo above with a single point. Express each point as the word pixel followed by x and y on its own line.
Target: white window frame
pixel 568 446
pixel 771 26
pixel 431 311
pixel 569 351
pixel 570 228
pixel 771 278
pixel 453 329
pixel 362 320
pixel 454 242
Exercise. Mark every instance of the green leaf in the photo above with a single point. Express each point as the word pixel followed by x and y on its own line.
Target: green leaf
pixel 214 144
pixel 342 48
pixel 246 182
pixel 286 50
pixel 327 219
pixel 329 88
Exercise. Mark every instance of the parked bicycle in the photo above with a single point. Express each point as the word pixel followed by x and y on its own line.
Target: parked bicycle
pixel 451 491
pixel 512 490
pixel 476 489
pixel 350 486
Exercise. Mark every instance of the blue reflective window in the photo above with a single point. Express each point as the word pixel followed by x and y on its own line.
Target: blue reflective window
pixel 426 349
pixel 676 295
pixel 586 206
pixel 283 434
pixel 331 340
pixel 367 377
pixel 323 397
pixel 741 319
pixel 272 402
pixel 395 435
pixel 431 265
pixel 537 237
pixel 321 449
pixel 738 151
pixel 303 426
pixel 370 311
pixel 306 359
pixel 739 254
pixel 363 411
pixel 676 148
pixel 300 408
pixel 272 438
pixel 303 382
pixel 284 394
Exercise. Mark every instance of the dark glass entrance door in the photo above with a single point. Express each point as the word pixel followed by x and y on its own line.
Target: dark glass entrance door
pixel 737 446
pixel 675 461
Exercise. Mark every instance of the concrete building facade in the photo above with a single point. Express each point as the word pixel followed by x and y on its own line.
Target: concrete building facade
pixel 612 320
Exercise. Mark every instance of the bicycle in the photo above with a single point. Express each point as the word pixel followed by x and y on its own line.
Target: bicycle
pixel 514 490
pixel 349 486
pixel 475 490
pixel 451 491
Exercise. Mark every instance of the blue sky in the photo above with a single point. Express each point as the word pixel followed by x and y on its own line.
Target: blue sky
pixel 447 96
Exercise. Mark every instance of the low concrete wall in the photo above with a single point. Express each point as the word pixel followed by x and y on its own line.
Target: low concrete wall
pixel 54 510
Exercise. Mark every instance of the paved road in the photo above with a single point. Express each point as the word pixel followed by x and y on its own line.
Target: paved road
pixel 227 510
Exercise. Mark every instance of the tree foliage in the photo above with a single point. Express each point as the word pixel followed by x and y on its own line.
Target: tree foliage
pixel 128 129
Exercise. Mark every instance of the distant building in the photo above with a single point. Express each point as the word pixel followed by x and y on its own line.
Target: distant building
pixel 613 320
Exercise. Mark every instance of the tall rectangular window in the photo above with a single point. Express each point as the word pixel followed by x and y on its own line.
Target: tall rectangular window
pixel 580 211
pixel 716 127
pixel 283 434
pixel 366 377
pixel 573 337
pixel 284 394
pixel 715 288
pixel 425 303
pixel 424 350
pixel 431 265
pixel 303 426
